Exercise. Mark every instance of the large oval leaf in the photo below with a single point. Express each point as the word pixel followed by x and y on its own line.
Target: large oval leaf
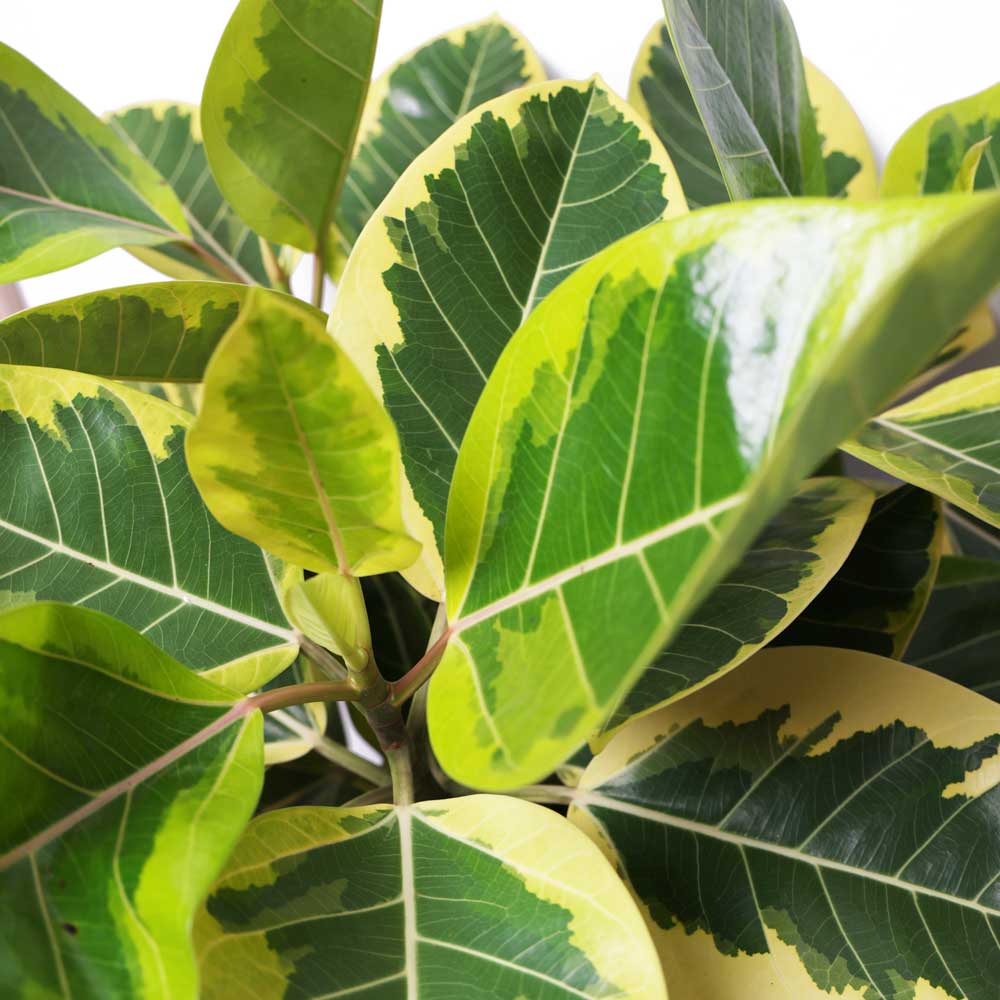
pixel 477 231
pixel 660 91
pixel 747 83
pixel 165 331
pixel 70 188
pixel 419 97
pixel 127 780
pixel 945 441
pixel 483 894
pixel 875 601
pixel 929 156
pixel 818 823
pixel 787 565
pixel 97 509
pixel 281 108
pixel 643 425
pixel 291 449
pixel 168 136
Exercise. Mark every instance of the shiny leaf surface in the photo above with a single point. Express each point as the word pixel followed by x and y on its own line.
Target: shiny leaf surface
pixel 487 894
pixel 820 823
pixel 98 509
pixel 133 778
pixel 645 423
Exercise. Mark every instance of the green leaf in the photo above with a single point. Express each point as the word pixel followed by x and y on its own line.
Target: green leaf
pixel 645 423
pixel 968 536
pixel 330 609
pixel 930 155
pixel 291 449
pixel 659 90
pixel 165 331
pixel 875 601
pixel 128 780
pixel 747 83
pixel 479 228
pixel 971 162
pixel 70 188
pixel 168 135
pixel 495 896
pixel 418 98
pixel 959 635
pixel 788 564
pixel 944 441
pixel 821 819
pixel 282 104
pixel 98 509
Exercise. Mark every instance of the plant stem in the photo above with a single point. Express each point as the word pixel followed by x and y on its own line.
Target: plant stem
pixel 302 694
pixel 224 272
pixel 275 271
pixel 548 794
pixel 319 273
pixel 334 752
pixel 401 769
pixel 420 673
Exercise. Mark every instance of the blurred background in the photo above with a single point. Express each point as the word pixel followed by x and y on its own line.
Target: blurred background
pixel 894 59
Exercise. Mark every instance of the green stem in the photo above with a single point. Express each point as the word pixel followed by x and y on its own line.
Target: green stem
pixel 302 694
pixel 319 273
pixel 548 794
pixel 420 673
pixel 275 272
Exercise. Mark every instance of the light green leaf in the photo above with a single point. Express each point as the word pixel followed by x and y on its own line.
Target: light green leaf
pixel 930 155
pixel 747 84
pixel 291 449
pixel 418 98
pixel 168 135
pixel 330 609
pixel 959 635
pixel 127 780
pixel 787 565
pixel 819 823
pixel 495 896
pixel 875 601
pixel 282 104
pixel 160 332
pixel 479 228
pixel 659 90
pixel 945 441
pixel 70 188
pixel 971 162
pixel 645 423
pixel 98 509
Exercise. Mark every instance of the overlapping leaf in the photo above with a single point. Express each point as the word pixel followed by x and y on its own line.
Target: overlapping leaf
pixel 746 82
pixel 127 780
pixel 787 565
pixel 818 823
pixel 875 601
pixel 291 449
pixel 644 424
pixel 969 536
pixel 418 98
pixel 168 135
pixel 472 896
pixel 659 89
pixel 929 157
pixel 484 224
pixel 70 188
pixel 97 509
pixel 946 441
pixel 282 104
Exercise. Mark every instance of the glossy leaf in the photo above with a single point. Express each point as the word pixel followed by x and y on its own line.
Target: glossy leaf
pixel 291 449
pixel 820 823
pixel 490 895
pixel 747 84
pixel 418 98
pixel 787 565
pixel 959 635
pixel 659 90
pixel 645 423
pixel 945 441
pixel 128 780
pixel 929 157
pixel 282 104
pixel 97 508
pixel 70 188
pixel 479 228
pixel 875 601
pixel 168 136
pixel 165 331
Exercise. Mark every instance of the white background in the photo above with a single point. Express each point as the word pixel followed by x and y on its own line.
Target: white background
pixel 894 59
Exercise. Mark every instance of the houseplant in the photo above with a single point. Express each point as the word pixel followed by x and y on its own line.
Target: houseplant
pixel 559 460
